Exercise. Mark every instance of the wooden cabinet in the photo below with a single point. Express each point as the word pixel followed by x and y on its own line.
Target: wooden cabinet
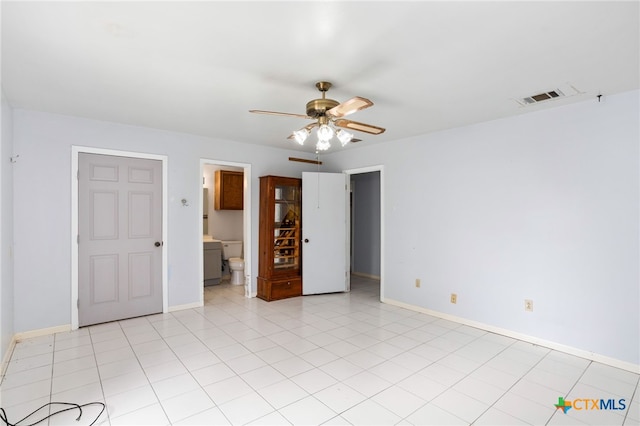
pixel 279 273
pixel 229 190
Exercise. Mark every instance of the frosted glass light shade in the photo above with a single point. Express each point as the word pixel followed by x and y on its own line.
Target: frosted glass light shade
pixel 323 145
pixel 301 135
pixel 325 132
pixel 344 137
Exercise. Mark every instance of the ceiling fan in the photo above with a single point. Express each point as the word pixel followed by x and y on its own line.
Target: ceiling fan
pixel 327 115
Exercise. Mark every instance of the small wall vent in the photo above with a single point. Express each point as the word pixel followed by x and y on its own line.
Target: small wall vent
pixel 560 92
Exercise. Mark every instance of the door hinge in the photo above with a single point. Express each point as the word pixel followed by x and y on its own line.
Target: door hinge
pixel 78 239
pixel 78 303
pixel 78 175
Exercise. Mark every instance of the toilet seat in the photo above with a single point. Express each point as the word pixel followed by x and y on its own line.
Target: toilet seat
pixel 236 263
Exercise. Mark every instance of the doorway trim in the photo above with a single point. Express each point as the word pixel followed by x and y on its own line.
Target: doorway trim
pixel 75 151
pixel 246 221
pixel 378 168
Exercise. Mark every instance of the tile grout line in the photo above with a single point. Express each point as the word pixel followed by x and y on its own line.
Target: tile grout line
pixel 572 388
pixel 135 354
pixel 635 393
pixel 221 360
pixel 95 359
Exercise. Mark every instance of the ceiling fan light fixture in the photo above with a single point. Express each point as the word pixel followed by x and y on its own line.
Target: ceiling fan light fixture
pixel 301 135
pixel 344 137
pixel 323 145
pixel 325 133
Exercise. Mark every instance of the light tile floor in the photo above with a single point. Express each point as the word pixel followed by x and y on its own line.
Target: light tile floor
pixel 333 359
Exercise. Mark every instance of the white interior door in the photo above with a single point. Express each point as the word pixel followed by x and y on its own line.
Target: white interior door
pixel 325 210
pixel 120 238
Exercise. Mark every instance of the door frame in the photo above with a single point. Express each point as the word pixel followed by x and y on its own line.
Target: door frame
pixel 378 168
pixel 246 220
pixel 75 152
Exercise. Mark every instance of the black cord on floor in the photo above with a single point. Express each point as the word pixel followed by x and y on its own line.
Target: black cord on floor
pixel 3 414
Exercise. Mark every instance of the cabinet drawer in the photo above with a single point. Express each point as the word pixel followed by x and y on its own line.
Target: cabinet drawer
pixel 286 288
pixel 281 289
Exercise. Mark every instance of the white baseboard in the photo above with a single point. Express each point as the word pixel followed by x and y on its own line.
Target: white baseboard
pixel 42 332
pixel 185 306
pixel 364 275
pixel 628 366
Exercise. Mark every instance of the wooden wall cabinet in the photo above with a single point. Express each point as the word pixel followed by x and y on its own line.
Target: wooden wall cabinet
pixel 279 248
pixel 229 190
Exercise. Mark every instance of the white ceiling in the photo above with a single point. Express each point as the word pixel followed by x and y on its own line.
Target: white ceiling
pixel 198 67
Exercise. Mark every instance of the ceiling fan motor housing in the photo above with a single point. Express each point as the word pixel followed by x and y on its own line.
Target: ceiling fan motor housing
pixel 318 107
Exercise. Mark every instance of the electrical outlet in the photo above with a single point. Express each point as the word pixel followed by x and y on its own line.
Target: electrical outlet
pixel 417 282
pixel 528 305
pixel 454 298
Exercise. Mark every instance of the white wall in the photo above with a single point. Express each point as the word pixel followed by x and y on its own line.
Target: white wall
pixel 42 192
pixel 543 206
pixel 6 227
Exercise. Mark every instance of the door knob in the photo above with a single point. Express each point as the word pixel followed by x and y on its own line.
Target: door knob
pixel 157 244
pixel 306 240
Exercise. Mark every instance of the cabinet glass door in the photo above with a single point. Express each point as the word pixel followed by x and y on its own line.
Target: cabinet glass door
pixel 286 230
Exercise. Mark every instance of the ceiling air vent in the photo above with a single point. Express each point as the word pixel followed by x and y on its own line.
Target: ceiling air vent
pixel 562 92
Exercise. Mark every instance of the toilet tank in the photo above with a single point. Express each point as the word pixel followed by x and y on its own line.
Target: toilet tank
pixel 231 249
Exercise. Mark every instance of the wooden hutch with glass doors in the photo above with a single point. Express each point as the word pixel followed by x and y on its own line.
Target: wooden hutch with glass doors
pixel 279 263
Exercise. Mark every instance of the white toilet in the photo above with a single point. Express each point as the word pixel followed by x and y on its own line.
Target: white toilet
pixel 232 253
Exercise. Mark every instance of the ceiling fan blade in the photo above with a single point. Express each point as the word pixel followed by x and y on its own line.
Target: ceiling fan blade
pixel 284 114
pixel 354 140
pixel 361 127
pixel 349 107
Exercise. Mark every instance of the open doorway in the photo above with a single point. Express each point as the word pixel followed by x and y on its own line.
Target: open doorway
pixel 366 230
pixel 222 227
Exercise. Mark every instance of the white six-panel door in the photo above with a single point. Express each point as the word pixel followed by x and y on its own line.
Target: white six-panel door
pixel 120 238
pixel 325 267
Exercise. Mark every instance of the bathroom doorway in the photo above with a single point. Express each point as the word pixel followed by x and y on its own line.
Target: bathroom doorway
pixel 225 225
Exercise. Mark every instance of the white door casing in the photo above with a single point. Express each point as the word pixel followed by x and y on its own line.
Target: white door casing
pixel 120 238
pixel 325 212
